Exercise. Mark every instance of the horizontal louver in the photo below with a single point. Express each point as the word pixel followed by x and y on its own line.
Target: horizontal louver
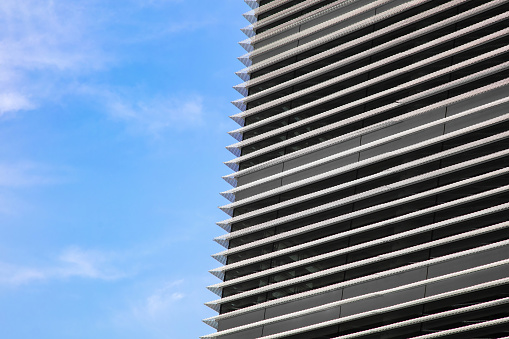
pixel 371 181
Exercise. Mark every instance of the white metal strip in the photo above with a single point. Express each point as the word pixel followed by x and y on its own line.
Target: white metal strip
pixel 355 197
pixel 367 146
pixel 281 14
pixel 372 260
pixel 468 328
pixel 353 183
pixel 216 303
pixel 412 98
pixel 354 27
pixel 301 20
pixel 369 129
pixel 271 5
pixel 362 212
pixel 214 320
pixel 440 315
pixel 252 15
pixel 389 59
pixel 317 28
pixel 365 245
pixel 235 148
pixel 459 149
pixel 220 271
pixel 252 3
pixel 335 50
pixel 404 305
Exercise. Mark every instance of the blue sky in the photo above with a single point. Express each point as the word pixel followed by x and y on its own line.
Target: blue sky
pixel 113 121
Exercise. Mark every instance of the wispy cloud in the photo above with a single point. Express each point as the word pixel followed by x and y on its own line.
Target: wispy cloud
pixel 150 114
pixel 12 102
pixel 45 41
pixel 73 262
pixel 56 47
pixel 158 114
pixel 160 302
pixel 27 174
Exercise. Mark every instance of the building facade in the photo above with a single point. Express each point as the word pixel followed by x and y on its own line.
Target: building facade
pixel 370 190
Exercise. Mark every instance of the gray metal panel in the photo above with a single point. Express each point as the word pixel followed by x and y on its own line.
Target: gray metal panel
pixel 240 320
pixel 306 320
pixel 468 262
pixel 382 301
pixel 303 304
pixel 468 280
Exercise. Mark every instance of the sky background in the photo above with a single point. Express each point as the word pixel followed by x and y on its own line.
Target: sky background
pixel 113 121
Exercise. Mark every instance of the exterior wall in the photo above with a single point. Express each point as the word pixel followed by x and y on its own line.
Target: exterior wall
pixel 459 256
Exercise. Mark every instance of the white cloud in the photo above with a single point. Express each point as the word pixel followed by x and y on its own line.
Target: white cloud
pixel 161 300
pixel 11 101
pixel 23 174
pixel 157 114
pixel 54 46
pixel 43 41
pixel 49 34
pixel 72 263
pixel 152 308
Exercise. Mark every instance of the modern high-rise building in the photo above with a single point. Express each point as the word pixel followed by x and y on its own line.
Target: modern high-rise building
pixel 370 190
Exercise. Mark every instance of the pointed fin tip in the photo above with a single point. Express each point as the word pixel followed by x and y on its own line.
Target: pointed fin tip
pixel 247 44
pixel 227 210
pixel 212 323
pixel 232 165
pixel 229 196
pixel 230 180
pixel 239 104
pixel 248 31
pixel 213 306
pixel 219 257
pixel 243 74
pixel 217 273
pixel 236 135
pixel 216 290
pixel 250 16
pixel 252 3
pixel 234 150
pixel 239 121
pixel 245 59
pixel 222 242
pixel 241 89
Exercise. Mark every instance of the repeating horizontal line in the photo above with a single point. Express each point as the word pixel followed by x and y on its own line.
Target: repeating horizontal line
pixel 378 258
pixel 467 328
pixel 366 245
pixel 369 227
pixel 317 28
pixel 372 128
pixel 385 61
pixel 354 27
pixel 420 301
pixel 328 306
pixel 368 37
pixel 365 211
pixel 299 296
pixel 400 102
pixel 299 20
pixel 281 14
pixel 378 175
pixel 358 196
pixel 367 146
pixel 380 329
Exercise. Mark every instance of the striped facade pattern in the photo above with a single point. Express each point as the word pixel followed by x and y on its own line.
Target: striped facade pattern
pixel 370 178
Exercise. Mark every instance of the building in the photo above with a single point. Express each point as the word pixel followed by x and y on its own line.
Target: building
pixel 371 185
